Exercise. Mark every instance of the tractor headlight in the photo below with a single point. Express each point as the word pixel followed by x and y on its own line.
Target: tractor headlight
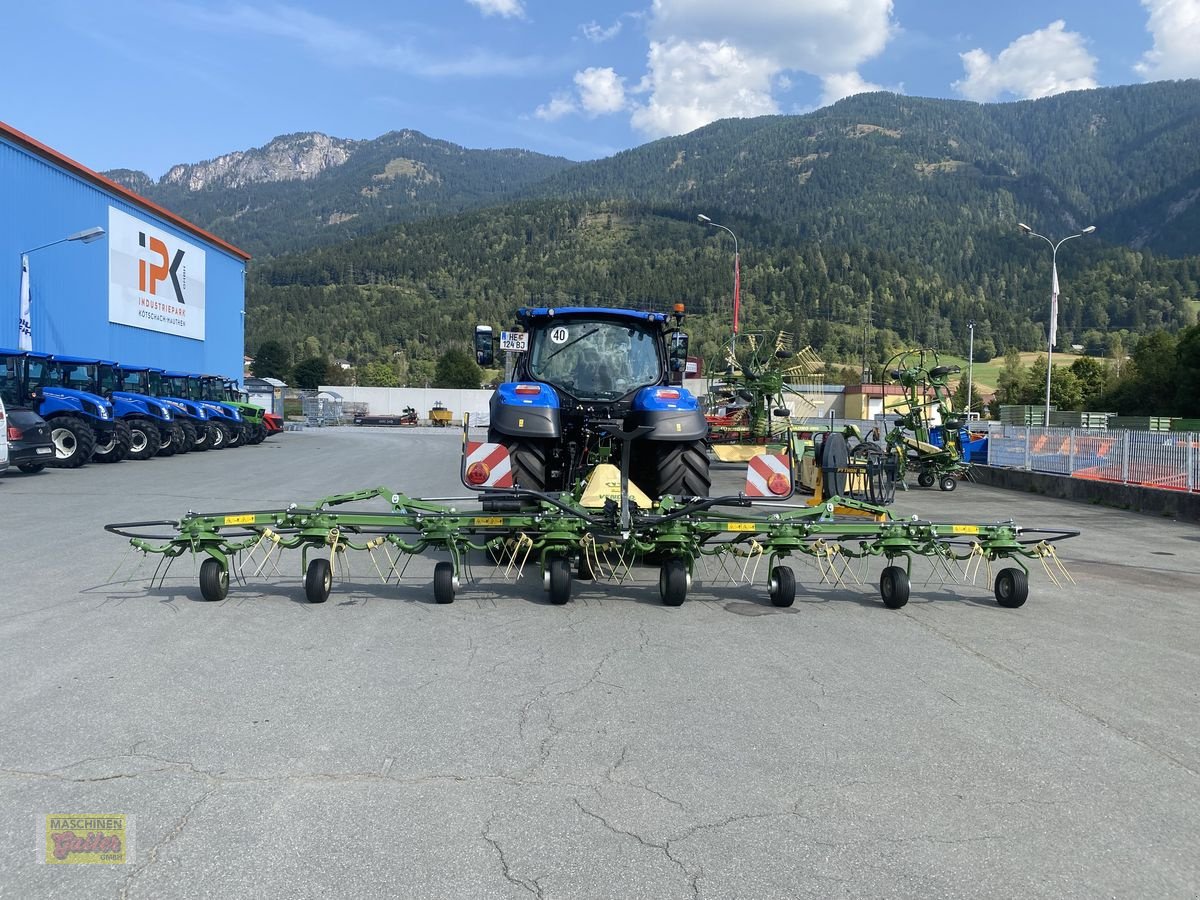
pixel 101 411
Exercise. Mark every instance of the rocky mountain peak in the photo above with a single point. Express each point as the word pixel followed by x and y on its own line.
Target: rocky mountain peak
pixel 288 158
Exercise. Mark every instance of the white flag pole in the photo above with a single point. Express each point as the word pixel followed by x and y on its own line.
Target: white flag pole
pixel 25 324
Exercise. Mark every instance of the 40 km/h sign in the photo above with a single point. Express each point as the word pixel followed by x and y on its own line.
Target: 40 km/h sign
pixel 514 341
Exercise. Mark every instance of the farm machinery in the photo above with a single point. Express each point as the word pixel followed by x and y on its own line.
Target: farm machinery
pixel 80 421
pixel 594 466
pixel 912 436
pixel 262 424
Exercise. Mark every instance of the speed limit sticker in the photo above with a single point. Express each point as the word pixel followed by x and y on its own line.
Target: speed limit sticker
pixel 559 335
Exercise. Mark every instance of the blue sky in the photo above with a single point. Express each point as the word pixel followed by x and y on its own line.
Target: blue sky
pixel 147 85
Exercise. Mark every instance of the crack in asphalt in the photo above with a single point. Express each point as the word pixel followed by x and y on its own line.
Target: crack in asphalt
pixel 152 855
pixel 532 885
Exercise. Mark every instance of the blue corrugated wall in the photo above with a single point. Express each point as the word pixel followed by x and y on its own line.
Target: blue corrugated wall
pixel 41 202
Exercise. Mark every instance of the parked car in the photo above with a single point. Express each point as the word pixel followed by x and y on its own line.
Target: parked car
pixel 30 447
pixel 4 441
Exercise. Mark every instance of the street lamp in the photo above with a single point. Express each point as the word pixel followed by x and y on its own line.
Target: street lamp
pixel 1053 335
pixel 737 277
pixel 970 366
pixel 24 323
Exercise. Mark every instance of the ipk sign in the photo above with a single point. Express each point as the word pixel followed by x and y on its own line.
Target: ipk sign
pixel 155 279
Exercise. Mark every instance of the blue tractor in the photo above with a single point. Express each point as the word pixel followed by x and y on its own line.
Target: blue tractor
pixel 226 418
pixel 200 431
pixel 80 421
pixel 148 420
pixel 599 385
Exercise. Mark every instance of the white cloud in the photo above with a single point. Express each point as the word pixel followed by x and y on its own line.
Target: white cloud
pixel 600 91
pixel 1045 62
pixel 1175 25
pixel 817 36
pixel 560 105
pixel 845 84
pixel 598 34
pixel 692 84
pixel 713 59
pixel 507 9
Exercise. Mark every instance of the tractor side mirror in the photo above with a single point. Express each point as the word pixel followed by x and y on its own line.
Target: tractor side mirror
pixel 677 362
pixel 484 355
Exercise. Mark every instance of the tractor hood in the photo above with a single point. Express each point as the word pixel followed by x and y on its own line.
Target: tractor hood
pixel 224 410
pixel 157 409
pixel 189 408
pixel 92 404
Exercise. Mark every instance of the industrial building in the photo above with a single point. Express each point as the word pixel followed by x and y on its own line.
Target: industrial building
pixel 89 268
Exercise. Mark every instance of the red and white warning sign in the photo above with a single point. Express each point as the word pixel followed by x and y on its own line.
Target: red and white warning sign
pixel 487 465
pixel 768 475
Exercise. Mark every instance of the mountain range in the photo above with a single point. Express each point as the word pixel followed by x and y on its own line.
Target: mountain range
pixel 877 203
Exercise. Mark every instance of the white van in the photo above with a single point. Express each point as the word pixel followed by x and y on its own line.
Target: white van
pixel 3 438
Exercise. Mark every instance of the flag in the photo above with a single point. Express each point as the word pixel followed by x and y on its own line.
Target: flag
pixel 1054 306
pixel 24 326
pixel 737 290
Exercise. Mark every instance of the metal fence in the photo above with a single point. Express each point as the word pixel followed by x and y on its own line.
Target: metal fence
pixel 322 408
pixel 1168 460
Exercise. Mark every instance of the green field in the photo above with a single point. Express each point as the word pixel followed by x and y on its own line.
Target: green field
pixel 987 375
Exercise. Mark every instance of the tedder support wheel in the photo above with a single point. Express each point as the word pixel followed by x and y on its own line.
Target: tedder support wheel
pixel 948 483
pixel 672 582
pixel 1012 588
pixel 214 580
pixel 560 580
pixel 893 587
pixel 925 479
pixel 443 582
pixel 318 580
pixel 782 586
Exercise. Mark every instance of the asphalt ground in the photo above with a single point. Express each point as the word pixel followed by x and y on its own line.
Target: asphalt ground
pixel 380 745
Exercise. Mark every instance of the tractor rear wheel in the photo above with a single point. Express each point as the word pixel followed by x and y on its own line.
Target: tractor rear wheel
pixel 214 580
pixel 117 447
pixel 318 580
pixel 528 459
pixel 74 441
pixel 144 441
pixel 662 468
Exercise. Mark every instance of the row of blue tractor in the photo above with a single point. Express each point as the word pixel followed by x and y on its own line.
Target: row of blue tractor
pixel 106 411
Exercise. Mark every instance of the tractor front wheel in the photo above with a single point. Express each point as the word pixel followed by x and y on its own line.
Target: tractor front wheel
pixel 144 440
pixel 74 441
pixel 117 446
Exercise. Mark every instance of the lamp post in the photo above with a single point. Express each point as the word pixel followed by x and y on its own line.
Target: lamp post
pixel 737 277
pixel 1052 337
pixel 24 323
pixel 970 367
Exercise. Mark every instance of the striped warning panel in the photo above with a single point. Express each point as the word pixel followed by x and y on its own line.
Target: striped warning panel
pixel 768 476
pixel 487 465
